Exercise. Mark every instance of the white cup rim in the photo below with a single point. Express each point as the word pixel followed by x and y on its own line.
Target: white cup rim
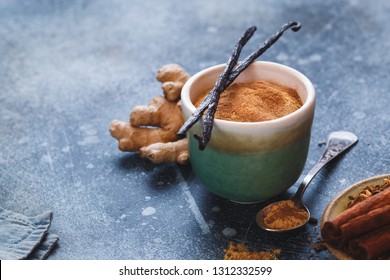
pixel 307 104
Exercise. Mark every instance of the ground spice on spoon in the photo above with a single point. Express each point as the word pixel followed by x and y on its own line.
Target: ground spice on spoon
pixel 284 215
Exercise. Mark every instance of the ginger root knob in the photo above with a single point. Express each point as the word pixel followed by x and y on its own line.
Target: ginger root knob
pixel 157 122
pixel 152 129
pixel 167 152
pixel 173 77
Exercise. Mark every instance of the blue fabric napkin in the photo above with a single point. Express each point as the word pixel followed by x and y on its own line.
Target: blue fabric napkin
pixel 23 237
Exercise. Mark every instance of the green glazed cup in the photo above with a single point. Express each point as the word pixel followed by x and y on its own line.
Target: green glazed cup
pixel 249 162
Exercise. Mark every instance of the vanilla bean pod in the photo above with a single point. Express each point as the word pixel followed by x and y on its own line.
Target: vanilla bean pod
pixel 295 26
pixel 209 118
pixel 211 103
pixel 219 85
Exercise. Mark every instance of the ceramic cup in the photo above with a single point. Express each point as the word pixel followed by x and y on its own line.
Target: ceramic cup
pixel 249 162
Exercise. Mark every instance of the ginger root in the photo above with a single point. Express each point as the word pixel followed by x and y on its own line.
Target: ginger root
pixel 167 152
pixel 152 129
pixel 157 122
pixel 173 77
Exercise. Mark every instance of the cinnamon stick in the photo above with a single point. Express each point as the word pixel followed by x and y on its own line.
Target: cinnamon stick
pixel 337 230
pixel 372 245
pixel 366 223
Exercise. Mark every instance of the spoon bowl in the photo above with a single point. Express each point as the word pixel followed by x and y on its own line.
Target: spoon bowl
pixel 291 214
pixel 285 220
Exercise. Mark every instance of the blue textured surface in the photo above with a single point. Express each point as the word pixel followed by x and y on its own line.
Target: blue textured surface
pixel 67 68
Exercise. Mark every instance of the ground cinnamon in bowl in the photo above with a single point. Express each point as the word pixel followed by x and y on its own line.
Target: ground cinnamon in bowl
pixel 254 102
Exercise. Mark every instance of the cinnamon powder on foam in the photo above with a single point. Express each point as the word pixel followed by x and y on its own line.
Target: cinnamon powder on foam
pixel 254 102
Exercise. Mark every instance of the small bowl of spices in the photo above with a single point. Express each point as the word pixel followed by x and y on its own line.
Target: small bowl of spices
pixel 261 131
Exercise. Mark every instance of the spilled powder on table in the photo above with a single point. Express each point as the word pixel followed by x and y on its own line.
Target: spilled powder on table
pixel 240 252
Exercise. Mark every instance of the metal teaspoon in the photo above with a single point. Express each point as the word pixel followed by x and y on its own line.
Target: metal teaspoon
pixel 337 143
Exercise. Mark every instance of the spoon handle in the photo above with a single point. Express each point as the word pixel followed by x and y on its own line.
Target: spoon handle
pixel 337 143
